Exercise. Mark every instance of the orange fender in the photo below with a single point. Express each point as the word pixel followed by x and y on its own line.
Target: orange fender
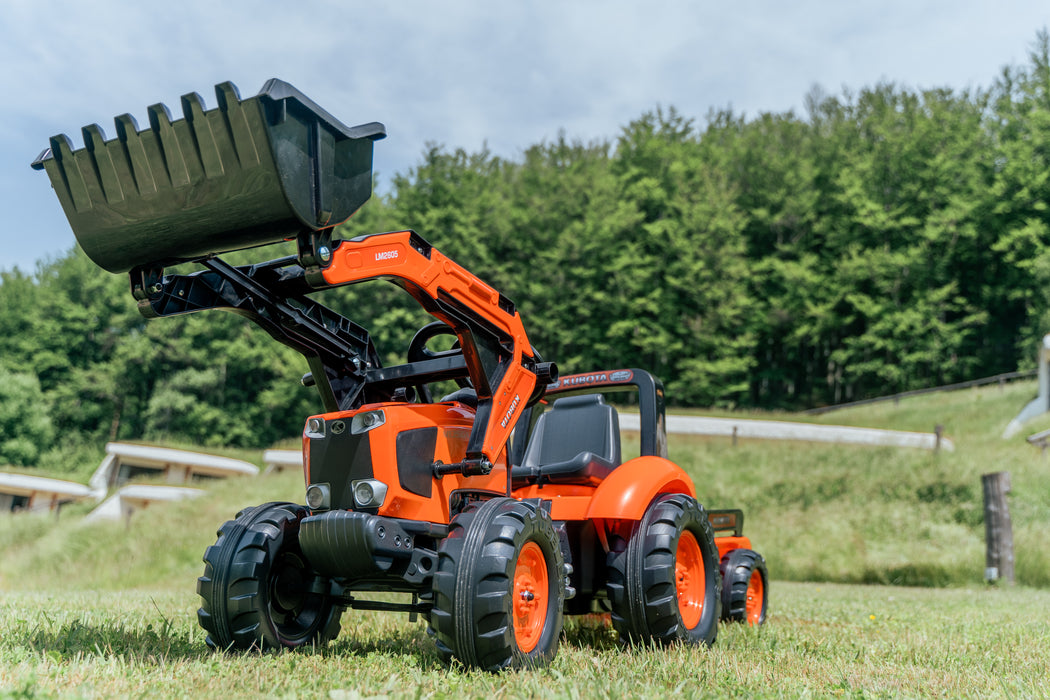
pixel 728 544
pixel 631 487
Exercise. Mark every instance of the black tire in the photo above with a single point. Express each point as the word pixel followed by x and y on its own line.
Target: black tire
pixel 495 555
pixel 745 587
pixel 255 587
pixel 654 597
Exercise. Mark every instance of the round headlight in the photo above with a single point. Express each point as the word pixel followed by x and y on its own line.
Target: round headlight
pixel 317 496
pixel 364 494
pixel 363 422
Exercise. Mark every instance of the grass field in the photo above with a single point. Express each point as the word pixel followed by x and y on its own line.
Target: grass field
pixel 101 610
pixel 825 640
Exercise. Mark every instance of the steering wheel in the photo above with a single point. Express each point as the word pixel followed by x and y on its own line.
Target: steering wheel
pixel 418 350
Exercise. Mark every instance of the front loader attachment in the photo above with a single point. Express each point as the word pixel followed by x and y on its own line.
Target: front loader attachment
pixel 247 173
pixel 274 167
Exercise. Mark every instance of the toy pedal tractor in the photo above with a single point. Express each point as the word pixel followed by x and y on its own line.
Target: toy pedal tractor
pixel 498 511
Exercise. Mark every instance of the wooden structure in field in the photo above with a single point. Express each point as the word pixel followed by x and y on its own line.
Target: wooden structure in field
pixel 36 494
pixel 123 465
pixel 279 460
pixel 126 462
pixel 134 497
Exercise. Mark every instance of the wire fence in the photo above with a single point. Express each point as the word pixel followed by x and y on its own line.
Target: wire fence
pixel 1000 379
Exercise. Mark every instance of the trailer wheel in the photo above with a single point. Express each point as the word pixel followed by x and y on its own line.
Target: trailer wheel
pixel 258 590
pixel 664 586
pixel 499 587
pixel 745 586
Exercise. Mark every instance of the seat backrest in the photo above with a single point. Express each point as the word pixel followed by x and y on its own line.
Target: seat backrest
pixel 575 424
pixel 465 395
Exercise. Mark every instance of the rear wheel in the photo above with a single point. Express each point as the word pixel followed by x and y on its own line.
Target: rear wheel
pixel 499 587
pixel 664 585
pixel 745 585
pixel 258 590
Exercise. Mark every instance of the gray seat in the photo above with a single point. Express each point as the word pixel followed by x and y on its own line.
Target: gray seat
pixel 466 395
pixel 576 442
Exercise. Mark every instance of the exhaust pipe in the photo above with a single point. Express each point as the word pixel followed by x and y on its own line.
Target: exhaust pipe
pixel 247 173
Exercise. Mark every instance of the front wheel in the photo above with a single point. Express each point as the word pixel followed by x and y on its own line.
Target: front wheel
pixel 499 587
pixel 258 590
pixel 664 586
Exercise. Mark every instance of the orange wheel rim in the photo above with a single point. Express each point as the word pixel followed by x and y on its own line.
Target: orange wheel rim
pixel 531 594
pixel 690 579
pixel 756 596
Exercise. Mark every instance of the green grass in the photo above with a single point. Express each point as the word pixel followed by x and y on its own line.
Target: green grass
pixel 826 640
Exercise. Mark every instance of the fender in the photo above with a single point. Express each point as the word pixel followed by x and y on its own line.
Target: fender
pixel 628 491
pixel 728 544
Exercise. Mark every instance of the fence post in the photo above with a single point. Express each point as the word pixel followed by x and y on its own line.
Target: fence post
pixel 999 535
pixel 938 430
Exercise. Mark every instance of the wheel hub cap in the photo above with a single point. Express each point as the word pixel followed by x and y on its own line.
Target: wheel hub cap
pixel 690 579
pixel 529 601
pixel 756 596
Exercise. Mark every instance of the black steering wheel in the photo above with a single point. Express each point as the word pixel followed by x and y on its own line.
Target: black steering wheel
pixel 418 350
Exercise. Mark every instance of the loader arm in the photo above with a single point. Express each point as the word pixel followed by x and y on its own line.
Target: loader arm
pixel 272 295
pixel 345 367
pixel 503 368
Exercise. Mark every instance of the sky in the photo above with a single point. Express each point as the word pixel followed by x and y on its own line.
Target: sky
pixel 464 74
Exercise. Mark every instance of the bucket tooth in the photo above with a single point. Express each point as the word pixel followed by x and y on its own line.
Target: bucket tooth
pixel 207 149
pixel 237 122
pixel 138 160
pixel 174 161
pixel 71 176
pixel 102 160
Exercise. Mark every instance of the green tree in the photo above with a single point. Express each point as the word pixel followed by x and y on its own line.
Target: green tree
pixel 1018 206
pixel 25 426
pixel 681 304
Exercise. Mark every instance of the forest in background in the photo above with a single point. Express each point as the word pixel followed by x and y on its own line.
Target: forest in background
pixel 889 239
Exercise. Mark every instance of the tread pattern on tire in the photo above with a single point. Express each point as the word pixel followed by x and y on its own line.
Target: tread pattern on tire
pixel 641 576
pixel 234 586
pixel 472 617
pixel 736 568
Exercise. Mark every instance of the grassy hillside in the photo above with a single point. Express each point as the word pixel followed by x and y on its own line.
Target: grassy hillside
pixel 886 515
pixel 817 512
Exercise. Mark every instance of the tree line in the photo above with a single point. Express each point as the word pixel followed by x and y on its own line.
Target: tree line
pixel 886 240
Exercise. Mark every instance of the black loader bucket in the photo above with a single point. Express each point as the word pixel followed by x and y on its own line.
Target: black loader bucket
pixel 248 173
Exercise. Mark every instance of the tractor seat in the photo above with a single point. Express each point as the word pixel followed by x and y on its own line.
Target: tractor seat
pixel 576 442
pixel 466 395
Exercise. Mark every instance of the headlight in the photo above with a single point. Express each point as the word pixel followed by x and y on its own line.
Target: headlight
pixel 319 496
pixel 369 420
pixel 315 428
pixel 369 493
